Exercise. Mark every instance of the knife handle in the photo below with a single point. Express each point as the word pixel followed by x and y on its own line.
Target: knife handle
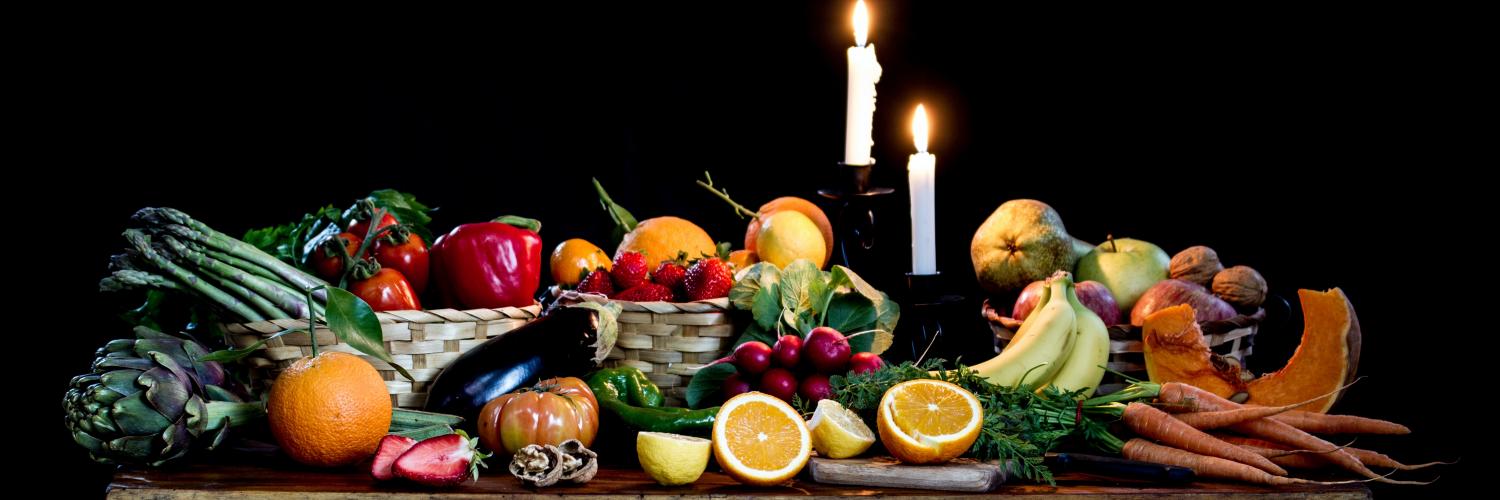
pixel 1122 467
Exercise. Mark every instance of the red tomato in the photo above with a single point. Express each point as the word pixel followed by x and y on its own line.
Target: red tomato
pixel 327 262
pixel 408 256
pixel 386 290
pixel 360 227
pixel 556 410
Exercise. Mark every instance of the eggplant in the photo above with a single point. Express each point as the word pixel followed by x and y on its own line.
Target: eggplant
pixel 567 342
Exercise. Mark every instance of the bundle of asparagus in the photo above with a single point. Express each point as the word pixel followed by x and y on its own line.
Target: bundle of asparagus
pixel 170 250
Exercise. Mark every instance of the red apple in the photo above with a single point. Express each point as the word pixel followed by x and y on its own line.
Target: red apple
pixel 1092 294
pixel 1170 292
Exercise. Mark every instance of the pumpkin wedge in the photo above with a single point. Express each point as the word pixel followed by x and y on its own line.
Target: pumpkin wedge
pixel 1326 360
pixel 1177 352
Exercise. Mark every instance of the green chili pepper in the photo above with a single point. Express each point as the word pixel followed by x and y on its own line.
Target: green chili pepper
pixel 626 393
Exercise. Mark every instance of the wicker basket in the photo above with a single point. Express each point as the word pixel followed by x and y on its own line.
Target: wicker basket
pixel 669 341
pixel 422 342
pixel 1233 338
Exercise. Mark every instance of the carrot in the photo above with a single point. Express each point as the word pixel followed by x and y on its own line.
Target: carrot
pixel 1156 424
pixel 1209 420
pixel 1202 465
pixel 1306 462
pixel 1340 424
pixel 1176 393
pixel 1367 457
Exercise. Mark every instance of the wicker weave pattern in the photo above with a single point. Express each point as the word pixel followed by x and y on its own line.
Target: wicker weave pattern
pixel 422 342
pixel 669 341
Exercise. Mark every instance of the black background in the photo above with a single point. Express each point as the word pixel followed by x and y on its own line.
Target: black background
pixel 1324 150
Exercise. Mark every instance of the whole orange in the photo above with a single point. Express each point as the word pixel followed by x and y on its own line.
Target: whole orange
pixel 329 410
pixel 661 238
pixel 575 258
pixel 796 204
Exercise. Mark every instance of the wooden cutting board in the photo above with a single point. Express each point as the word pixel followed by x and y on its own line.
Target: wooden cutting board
pixel 962 474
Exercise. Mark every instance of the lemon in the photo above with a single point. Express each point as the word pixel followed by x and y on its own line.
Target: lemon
pixel 672 459
pixel 788 235
pixel 838 432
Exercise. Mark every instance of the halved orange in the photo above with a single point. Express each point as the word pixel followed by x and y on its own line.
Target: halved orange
pixel 928 421
pixel 760 440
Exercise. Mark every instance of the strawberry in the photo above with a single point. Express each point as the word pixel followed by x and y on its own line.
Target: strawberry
pixel 708 279
pixel 441 461
pixel 597 282
pixel 391 447
pixel 649 292
pixel 630 271
pixel 669 274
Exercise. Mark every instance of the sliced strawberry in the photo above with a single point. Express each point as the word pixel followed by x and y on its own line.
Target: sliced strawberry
pixel 442 461
pixel 391 448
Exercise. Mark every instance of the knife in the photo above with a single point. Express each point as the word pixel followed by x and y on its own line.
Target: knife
pixel 1119 467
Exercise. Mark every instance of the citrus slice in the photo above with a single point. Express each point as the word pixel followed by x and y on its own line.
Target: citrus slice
pixel 672 459
pixel 928 421
pixel 760 440
pixel 838 432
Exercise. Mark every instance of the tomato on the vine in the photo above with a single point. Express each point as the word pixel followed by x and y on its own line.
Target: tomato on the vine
pixel 327 261
pixel 386 290
pixel 404 251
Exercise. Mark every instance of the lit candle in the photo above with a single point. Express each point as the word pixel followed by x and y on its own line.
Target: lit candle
pixel 864 71
pixel 923 218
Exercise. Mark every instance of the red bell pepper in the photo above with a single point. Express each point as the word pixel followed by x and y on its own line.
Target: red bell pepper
pixel 489 264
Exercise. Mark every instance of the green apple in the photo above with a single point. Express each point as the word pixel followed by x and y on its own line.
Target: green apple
pixel 1126 267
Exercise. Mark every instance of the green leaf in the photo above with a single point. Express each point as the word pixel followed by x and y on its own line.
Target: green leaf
pixel 228 355
pixel 148 313
pixel 850 313
pixel 723 250
pixel 528 224
pixel 403 206
pixel 290 242
pixel 707 384
pixel 844 276
pixel 354 323
pixel 797 284
pixel 759 291
pixel 624 222
pixel 753 333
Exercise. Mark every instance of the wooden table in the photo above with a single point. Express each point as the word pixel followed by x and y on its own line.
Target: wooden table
pixel 281 479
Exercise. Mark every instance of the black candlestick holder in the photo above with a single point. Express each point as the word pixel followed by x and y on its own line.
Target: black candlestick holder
pixel 932 322
pixel 855 243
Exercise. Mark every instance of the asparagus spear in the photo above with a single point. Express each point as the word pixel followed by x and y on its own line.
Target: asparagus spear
pixel 240 263
pixel 180 224
pixel 130 279
pixel 142 244
pixel 288 303
pixel 260 303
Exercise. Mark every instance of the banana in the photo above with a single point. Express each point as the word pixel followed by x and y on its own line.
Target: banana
pixel 1084 367
pixel 1040 344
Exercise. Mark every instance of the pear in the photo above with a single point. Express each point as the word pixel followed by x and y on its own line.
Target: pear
pixel 1022 242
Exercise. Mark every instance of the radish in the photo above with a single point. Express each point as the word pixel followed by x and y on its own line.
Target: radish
pixel 780 383
pixel 788 351
pixel 826 350
pixel 749 358
pixel 815 388
pixel 864 362
pixel 734 385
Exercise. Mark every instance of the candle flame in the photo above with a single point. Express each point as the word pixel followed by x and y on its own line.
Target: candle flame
pixel 861 23
pixel 919 129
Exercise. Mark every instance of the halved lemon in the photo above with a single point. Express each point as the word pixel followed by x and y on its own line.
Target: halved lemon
pixel 760 440
pixel 838 432
pixel 928 421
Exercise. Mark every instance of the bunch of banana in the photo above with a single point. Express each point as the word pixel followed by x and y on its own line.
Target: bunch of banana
pixel 1061 343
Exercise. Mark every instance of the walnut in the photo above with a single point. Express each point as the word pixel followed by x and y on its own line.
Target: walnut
pixel 1241 286
pixel 537 465
pixel 579 463
pixel 1197 264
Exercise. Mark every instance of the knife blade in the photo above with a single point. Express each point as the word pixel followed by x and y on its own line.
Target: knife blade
pixel 1119 467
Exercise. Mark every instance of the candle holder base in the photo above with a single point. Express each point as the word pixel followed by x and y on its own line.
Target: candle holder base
pixel 933 323
pixel 855 219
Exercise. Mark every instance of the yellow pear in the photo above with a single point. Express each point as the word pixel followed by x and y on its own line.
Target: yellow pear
pixel 786 236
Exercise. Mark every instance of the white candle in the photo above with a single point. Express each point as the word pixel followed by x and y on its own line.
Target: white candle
pixel 864 71
pixel 923 217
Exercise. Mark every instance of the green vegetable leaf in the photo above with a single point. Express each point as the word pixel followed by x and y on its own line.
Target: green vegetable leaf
pixel 707 384
pixel 759 291
pixel 797 285
pixel 887 313
pixel 227 355
pixel 753 333
pixel 406 209
pixel 843 276
pixel 354 322
pixel 291 242
pixel 147 314
pixel 850 313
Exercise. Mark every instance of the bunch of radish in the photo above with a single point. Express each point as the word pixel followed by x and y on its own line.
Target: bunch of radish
pixel 796 365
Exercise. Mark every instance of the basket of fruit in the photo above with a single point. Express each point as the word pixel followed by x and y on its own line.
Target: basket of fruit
pixel 363 282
